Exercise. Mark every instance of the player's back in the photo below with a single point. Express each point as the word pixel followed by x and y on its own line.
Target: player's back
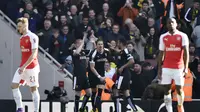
pixel 27 43
pixel 173 49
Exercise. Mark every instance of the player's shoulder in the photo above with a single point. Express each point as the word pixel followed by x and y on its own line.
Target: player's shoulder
pixel 182 34
pixel 164 35
pixel 93 53
pixel 32 35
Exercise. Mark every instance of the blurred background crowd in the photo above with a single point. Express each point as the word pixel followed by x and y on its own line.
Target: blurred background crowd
pixel 141 22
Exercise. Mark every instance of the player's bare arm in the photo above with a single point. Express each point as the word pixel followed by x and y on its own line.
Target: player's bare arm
pixel 78 49
pixel 160 61
pixel 186 58
pixel 29 61
pixel 129 63
pixel 92 67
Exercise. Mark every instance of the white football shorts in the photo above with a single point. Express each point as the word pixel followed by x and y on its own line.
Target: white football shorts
pixel 169 74
pixel 28 77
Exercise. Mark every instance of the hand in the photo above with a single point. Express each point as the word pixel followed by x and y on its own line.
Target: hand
pixel 21 10
pixel 86 3
pixel 80 13
pixel 21 70
pixel 69 13
pixel 120 70
pixel 36 11
pixel 40 34
pixel 102 79
pixel 185 72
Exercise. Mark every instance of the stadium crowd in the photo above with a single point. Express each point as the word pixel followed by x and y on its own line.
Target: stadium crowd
pixel 58 23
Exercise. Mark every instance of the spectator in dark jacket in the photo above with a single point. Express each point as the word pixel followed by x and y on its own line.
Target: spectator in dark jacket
pixel 64 7
pixel 192 12
pixel 67 40
pixel 106 12
pixel 54 44
pixel 45 34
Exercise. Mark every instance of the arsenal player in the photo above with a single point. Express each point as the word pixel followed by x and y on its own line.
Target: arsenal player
pixel 173 63
pixel 29 68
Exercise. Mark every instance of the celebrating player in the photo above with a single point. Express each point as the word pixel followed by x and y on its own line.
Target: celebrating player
pixel 29 67
pixel 97 60
pixel 173 62
pixel 81 81
pixel 124 76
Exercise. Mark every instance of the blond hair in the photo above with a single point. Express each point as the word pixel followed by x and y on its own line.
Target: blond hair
pixel 22 20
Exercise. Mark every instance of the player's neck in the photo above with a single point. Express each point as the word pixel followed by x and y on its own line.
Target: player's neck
pixel 100 51
pixel 172 32
pixel 25 32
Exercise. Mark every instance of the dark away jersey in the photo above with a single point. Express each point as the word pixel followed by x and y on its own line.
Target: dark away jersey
pixel 99 59
pixel 80 62
pixel 124 57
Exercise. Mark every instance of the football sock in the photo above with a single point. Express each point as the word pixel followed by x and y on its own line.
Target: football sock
pixel 116 103
pixel 168 102
pixel 17 97
pixel 93 98
pixel 36 100
pixel 97 102
pixel 85 100
pixel 131 103
pixel 76 105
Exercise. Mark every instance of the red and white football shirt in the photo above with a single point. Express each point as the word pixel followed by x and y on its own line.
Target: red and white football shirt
pixel 27 43
pixel 172 45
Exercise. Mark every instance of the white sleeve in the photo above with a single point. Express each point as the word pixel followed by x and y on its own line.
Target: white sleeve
pixel 34 41
pixel 185 40
pixel 161 43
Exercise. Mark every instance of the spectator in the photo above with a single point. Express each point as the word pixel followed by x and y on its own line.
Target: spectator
pixel 64 6
pixel 147 9
pixel 84 7
pixel 173 9
pixel 64 21
pixel 114 35
pixel 196 38
pixel 152 44
pixel 67 40
pixel 49 15
pixel 75 18
pixel 130 46
pixel 127 11
pixel 160 10
pixel 32 13
pixel 106 13
pixel 196 83
pixel 32 21
pixel 83 27
pixel 140 43
pixel 105 29
pixel 141 22
pixel 45 34
pixel 91 41
pixel 92 20
pixel 192 12
pixel 137 81
pixel 54 44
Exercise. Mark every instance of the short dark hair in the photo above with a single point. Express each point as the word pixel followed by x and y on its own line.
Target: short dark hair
pixel 146 64
pixel 99 40
pixel 131 43
pixel 145 2
pixel 123 41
